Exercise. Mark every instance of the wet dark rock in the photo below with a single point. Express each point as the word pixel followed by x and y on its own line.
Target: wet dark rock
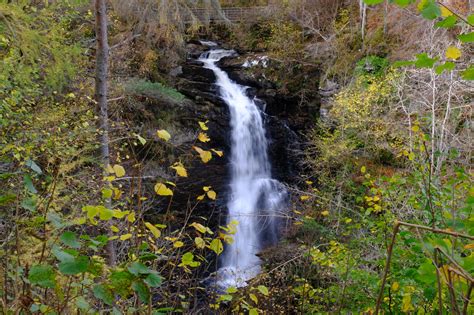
pixel 195 72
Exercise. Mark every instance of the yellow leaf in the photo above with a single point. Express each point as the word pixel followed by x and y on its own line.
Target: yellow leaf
pixel 453 53
pixel 219 153
pixel 395 286
pixel 308 182
pixel 178 244
pixel 120 214
pixel 228 239
pixel 180 170
pixel 376 198
pixel 206 188
pixel 303 198
pixel 203 137
pixel 162 190
pixel 469 246
pixel 114 228
pixel 119 170
pixel 415 128
pixel 80 221
pixel 363 169
pixel 131 217
pixel 199 242
pixel 201 228
pixel 406 303
pixel 163 134
pixel 206 156
pixel 125 237
pixel 109 178
pixel 325 213
pixel 117 193
pixel 110 169
pixel 201 197
pixel 156 233
pixel 216 246
pixel 203 125
pixel 445 12
pixel 253 297
pixel 212 194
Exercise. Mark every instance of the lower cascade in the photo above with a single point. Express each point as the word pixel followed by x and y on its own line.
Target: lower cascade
pixel 256 201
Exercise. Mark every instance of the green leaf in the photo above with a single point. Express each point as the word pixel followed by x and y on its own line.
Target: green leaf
pixel 427 273
pixel 107 193
pixel 141 139
pixel 103 293
pixel 403 3
pixel 121 281
pixel 373 2
pixel 468 74
pixel 430 10
pixel 263 289
pixel 29 184
pixel 105 214
pixel 423 61
pixel 29 204
pixel 449 66
pixel 142 291
pixel 216 246
pixel 225 297
pixel 188 260
pixel 470 19
pixel 69 239
pixel 82 304
pixel 153 280
pixel 33 166
pixel 466 38
pixel 137 268
pixel 5 199
pixel 92 211
pixel 61 255
pixel 78 265
pixel 42 275
pixel 448 22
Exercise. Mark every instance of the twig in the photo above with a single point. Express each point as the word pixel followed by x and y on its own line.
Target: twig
pixel 396 228
pixel 125 41
pixel 434 230
pixel 455 13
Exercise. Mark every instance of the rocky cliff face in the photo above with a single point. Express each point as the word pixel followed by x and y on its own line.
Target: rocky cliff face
pixel 287 112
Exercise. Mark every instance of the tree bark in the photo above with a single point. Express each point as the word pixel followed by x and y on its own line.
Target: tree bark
pixel 102 61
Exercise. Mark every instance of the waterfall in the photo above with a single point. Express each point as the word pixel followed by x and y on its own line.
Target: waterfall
pixel 255 198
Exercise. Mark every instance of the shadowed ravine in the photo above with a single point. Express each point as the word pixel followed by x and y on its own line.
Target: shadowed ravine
pixel 255 198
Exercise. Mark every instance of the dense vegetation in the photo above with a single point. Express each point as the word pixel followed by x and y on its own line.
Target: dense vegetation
pixel 382 214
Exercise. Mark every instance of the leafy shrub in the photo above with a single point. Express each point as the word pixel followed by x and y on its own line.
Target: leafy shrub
pixel 372 65
pixel 155 89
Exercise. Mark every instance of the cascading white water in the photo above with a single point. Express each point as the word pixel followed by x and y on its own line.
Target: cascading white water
pixel 255 197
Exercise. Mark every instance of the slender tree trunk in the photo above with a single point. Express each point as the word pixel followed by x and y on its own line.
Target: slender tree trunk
pixel 102 61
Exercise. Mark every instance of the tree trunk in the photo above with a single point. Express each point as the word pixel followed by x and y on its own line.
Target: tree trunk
pixel 102 61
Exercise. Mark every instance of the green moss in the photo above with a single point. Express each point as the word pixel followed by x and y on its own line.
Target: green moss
pixel 153 89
